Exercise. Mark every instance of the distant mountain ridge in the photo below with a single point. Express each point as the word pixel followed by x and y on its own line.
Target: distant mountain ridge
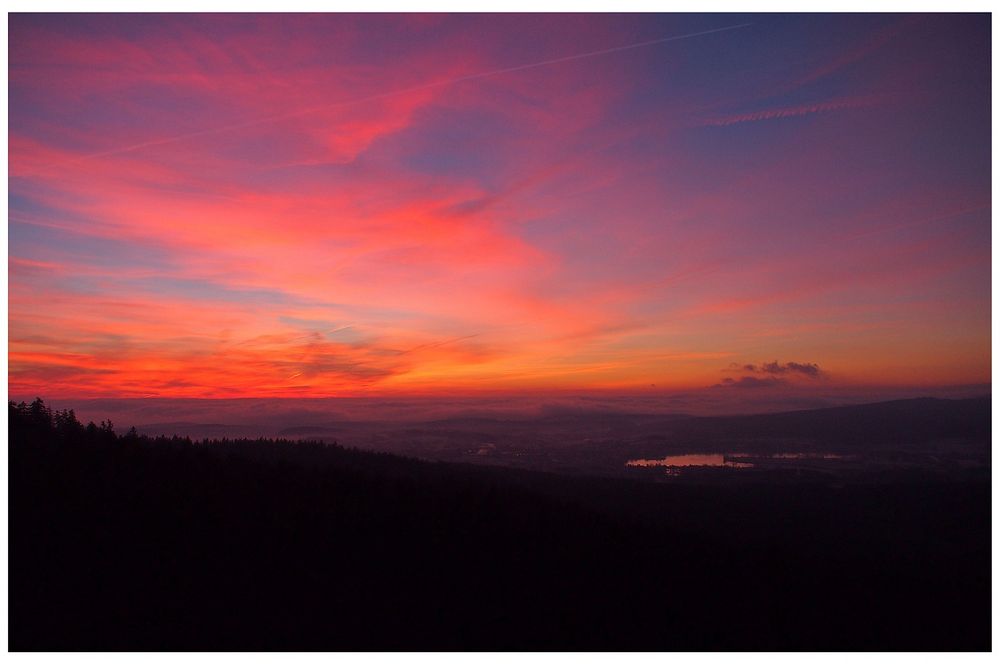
pixel 893 421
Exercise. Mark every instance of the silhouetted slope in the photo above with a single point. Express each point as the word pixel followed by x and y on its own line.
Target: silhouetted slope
pixel 125 542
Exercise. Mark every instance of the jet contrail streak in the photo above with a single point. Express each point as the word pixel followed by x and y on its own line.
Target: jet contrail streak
pixel 393 93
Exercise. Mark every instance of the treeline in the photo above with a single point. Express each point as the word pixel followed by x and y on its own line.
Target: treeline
pixel 40 424
pixel 125 542
pixel 36 426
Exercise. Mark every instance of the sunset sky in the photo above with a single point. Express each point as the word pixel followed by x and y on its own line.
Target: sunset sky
pixel 348 205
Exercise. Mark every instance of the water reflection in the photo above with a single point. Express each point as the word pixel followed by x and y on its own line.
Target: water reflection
pixel 685 460
pixel 728 460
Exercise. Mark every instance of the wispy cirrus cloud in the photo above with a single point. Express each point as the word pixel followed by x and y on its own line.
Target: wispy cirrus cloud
pixel 240 205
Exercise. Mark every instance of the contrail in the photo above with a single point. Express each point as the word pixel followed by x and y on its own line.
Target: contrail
pixel 789 112
pixel 435 344
pixel 393 93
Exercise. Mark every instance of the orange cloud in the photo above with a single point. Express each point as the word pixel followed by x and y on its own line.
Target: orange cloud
pixel 295 205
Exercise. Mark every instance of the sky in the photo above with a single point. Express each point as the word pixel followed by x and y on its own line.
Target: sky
pixel 264 206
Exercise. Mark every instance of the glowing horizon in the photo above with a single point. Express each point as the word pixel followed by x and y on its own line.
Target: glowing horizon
pixel 290 205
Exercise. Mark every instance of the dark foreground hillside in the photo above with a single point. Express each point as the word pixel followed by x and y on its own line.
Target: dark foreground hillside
pixel 126 542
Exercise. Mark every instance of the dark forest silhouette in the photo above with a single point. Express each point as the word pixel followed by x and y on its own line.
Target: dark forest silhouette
pixel 131 542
